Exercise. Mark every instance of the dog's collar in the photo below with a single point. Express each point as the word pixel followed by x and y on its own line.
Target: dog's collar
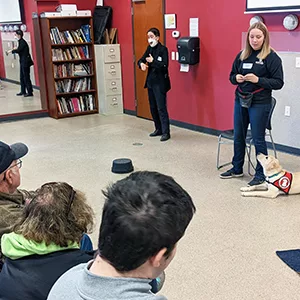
pixel 269 177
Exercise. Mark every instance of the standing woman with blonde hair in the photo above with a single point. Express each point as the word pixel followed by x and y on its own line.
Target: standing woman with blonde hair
pixel 257 70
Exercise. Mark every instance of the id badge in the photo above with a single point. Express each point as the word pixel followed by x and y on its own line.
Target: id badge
pixel 247 66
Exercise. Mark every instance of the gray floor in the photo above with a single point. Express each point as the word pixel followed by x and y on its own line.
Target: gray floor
pixel 229 249
pixel 10 103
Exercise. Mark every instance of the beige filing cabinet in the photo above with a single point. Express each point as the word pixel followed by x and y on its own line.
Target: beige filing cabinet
pixel 109 79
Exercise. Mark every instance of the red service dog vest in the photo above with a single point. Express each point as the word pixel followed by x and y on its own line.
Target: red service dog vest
pixel 284 182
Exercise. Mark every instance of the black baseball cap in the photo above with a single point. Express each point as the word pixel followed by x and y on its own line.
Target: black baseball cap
pixel 10 153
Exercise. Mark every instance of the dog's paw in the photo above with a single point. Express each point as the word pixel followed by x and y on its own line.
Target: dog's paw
pixel 246 189
pixel 245 194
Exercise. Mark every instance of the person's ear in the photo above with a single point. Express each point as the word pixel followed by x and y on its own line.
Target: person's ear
pixel 157 259
pixel 9 176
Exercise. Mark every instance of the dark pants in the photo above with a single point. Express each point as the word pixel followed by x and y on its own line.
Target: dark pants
pixel 257 116
pixel 158 107
pixel 86 243
pixel 26 85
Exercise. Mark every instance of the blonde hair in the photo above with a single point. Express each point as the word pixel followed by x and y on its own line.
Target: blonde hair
pixel 265 50
pixel 57 214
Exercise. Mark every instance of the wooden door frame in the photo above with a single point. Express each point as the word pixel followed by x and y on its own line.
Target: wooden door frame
pixel 133 48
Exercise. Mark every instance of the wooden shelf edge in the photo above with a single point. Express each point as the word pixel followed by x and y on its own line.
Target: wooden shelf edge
pixel 82 113
pixel 73 77
pixel 75 93
pixel 71 60
pixel 71 44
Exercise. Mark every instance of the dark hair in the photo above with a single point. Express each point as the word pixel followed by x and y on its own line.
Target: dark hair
pixel 142 214
pixel 19 32
pixel 155 31
pixel 57 214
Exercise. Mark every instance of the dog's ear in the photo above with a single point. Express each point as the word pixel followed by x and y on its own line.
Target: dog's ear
pixel 274 165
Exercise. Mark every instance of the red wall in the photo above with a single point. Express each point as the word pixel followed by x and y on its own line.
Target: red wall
pixel 203 96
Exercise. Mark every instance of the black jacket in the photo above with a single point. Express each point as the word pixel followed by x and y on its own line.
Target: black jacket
pixel 23 51
pixel 32 277
pixel 269 71
pixel 158 73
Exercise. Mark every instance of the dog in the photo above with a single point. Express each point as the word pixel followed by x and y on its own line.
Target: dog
pixel 278 181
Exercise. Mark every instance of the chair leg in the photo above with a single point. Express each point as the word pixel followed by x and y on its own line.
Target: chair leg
pixel 273 145
pixel 249 157
pixel 218 152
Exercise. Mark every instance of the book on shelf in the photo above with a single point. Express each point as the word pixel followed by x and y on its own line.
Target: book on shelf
pixel 71 69
pixel 75 104
pixel 81 35
pixel 72 86
pixel 70 53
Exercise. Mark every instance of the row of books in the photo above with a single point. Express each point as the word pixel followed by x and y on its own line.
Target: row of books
pixel 67 69
pixel 70 53
pixel 75 104
pixel 69 85
pixel 81 35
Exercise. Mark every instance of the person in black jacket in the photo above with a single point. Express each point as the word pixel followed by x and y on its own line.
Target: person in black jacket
pixel 257 70
pixel 25 64
pixel 156 60
pixel 45 242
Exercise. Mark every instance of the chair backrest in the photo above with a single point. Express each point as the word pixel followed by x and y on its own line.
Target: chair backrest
pixel 273 104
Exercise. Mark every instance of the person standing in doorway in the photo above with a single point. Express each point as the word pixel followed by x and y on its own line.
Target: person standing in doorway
pixel 156 61
pixel 25 64
pixel 257 71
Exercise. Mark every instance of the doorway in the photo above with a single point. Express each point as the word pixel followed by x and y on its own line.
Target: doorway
pixel 146 14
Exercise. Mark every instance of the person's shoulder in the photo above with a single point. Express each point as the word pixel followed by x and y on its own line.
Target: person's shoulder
pixel 66 283
pixel 163 47
pixel 273 56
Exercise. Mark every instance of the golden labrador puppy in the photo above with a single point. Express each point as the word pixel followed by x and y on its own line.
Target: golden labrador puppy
pixel 278 181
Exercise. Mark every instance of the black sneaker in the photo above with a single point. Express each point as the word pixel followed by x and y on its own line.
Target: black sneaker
pixel 165 137
pixel 155 133
pixel 230 174
pixel 28 95
pixel 256 181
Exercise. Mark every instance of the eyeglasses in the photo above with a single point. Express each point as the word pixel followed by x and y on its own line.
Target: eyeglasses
pixel 18 164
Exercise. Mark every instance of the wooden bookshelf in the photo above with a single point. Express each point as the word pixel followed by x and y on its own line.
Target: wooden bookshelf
pixel 70 45
pixel 76 93
pixel 83 88
pixel 72 60
pixel 73 77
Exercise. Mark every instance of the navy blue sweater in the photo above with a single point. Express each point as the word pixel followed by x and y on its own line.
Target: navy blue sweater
pixel 269 71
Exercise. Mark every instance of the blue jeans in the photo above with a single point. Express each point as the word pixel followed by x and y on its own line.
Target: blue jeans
pixel 257 115
pixel 86 243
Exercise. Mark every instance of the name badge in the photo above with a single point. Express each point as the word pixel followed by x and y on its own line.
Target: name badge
pixel 159 58
pixel 247 66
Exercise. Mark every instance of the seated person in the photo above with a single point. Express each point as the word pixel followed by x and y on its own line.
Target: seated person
pixel 44 243
pixel 11 199
pixel 144 217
